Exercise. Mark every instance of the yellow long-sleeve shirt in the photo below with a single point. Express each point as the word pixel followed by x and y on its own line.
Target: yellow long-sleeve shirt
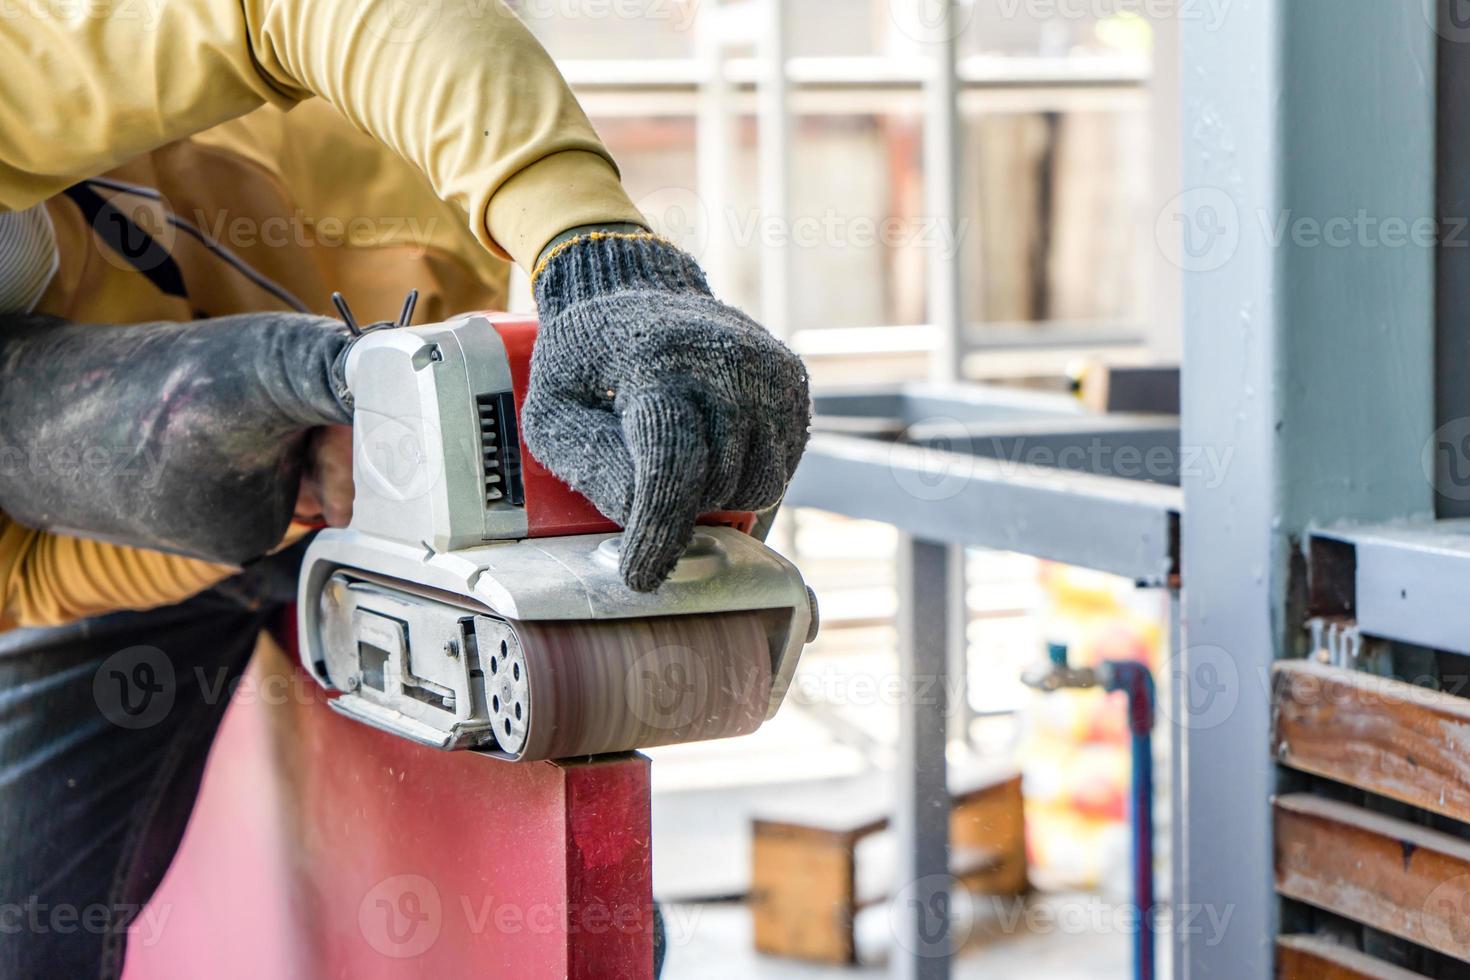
pixel 458 88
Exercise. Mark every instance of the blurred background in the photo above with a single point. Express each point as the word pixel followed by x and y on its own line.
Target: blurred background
pixel 1060 112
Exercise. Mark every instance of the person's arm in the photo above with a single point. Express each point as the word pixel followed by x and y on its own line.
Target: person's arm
pixel 461 90
pixel 188 437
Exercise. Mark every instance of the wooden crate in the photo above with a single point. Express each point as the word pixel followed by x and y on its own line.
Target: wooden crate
pixel 805 892
pixel 1399 877
pixel 1385 736
pixel 1314 958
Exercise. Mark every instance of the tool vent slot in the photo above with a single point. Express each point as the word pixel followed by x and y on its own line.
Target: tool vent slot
pixel 500 446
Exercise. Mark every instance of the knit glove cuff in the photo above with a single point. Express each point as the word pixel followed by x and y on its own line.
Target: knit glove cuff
pixel 600 263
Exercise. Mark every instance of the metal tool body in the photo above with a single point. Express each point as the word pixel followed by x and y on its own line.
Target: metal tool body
pixel 475 600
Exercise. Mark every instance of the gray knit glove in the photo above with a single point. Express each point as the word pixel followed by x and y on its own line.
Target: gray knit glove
pixel 186 437
pixel 655 400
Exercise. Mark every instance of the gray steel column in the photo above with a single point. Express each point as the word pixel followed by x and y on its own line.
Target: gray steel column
pixel 1452 290
pixel 957 608
pixel 942 151
pixel 1173 947
pixel 1307 356
pixel 773 111
pixel 921 903
pixel 943 155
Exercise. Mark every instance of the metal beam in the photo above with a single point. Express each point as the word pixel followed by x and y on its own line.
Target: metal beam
pixel 1309 353
pixel 1121 526
pixel 1412 582
pixel 910 404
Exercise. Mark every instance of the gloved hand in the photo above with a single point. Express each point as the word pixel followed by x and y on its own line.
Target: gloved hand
pixel 655 400
pixel 185 437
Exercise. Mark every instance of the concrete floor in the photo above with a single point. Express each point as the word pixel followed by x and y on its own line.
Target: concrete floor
pixel 713 942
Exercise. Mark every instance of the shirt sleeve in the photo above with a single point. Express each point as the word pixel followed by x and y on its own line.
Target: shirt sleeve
pixel 47 579
pixel 461 89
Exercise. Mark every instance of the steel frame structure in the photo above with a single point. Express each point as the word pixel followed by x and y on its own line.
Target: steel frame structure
pixel 951 466
pixel 1313 364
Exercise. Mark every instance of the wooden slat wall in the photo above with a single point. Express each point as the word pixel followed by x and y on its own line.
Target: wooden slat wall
pixel 1311 958
pixel 1385 736
pixel 1398 877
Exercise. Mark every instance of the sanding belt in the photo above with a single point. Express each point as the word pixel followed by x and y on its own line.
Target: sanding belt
pixel 612 686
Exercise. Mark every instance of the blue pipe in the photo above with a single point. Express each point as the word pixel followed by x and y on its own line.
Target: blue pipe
pixel 1137 683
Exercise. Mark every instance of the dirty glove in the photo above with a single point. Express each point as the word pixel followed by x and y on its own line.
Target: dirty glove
pixel 184 437
pixel 653 399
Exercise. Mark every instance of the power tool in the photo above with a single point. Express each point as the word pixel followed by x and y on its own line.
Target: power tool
pixel 474 600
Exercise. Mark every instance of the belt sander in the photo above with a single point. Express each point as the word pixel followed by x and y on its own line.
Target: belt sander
pixel 474 601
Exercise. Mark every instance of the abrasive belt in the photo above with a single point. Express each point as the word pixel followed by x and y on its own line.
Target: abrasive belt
pixel 581 688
